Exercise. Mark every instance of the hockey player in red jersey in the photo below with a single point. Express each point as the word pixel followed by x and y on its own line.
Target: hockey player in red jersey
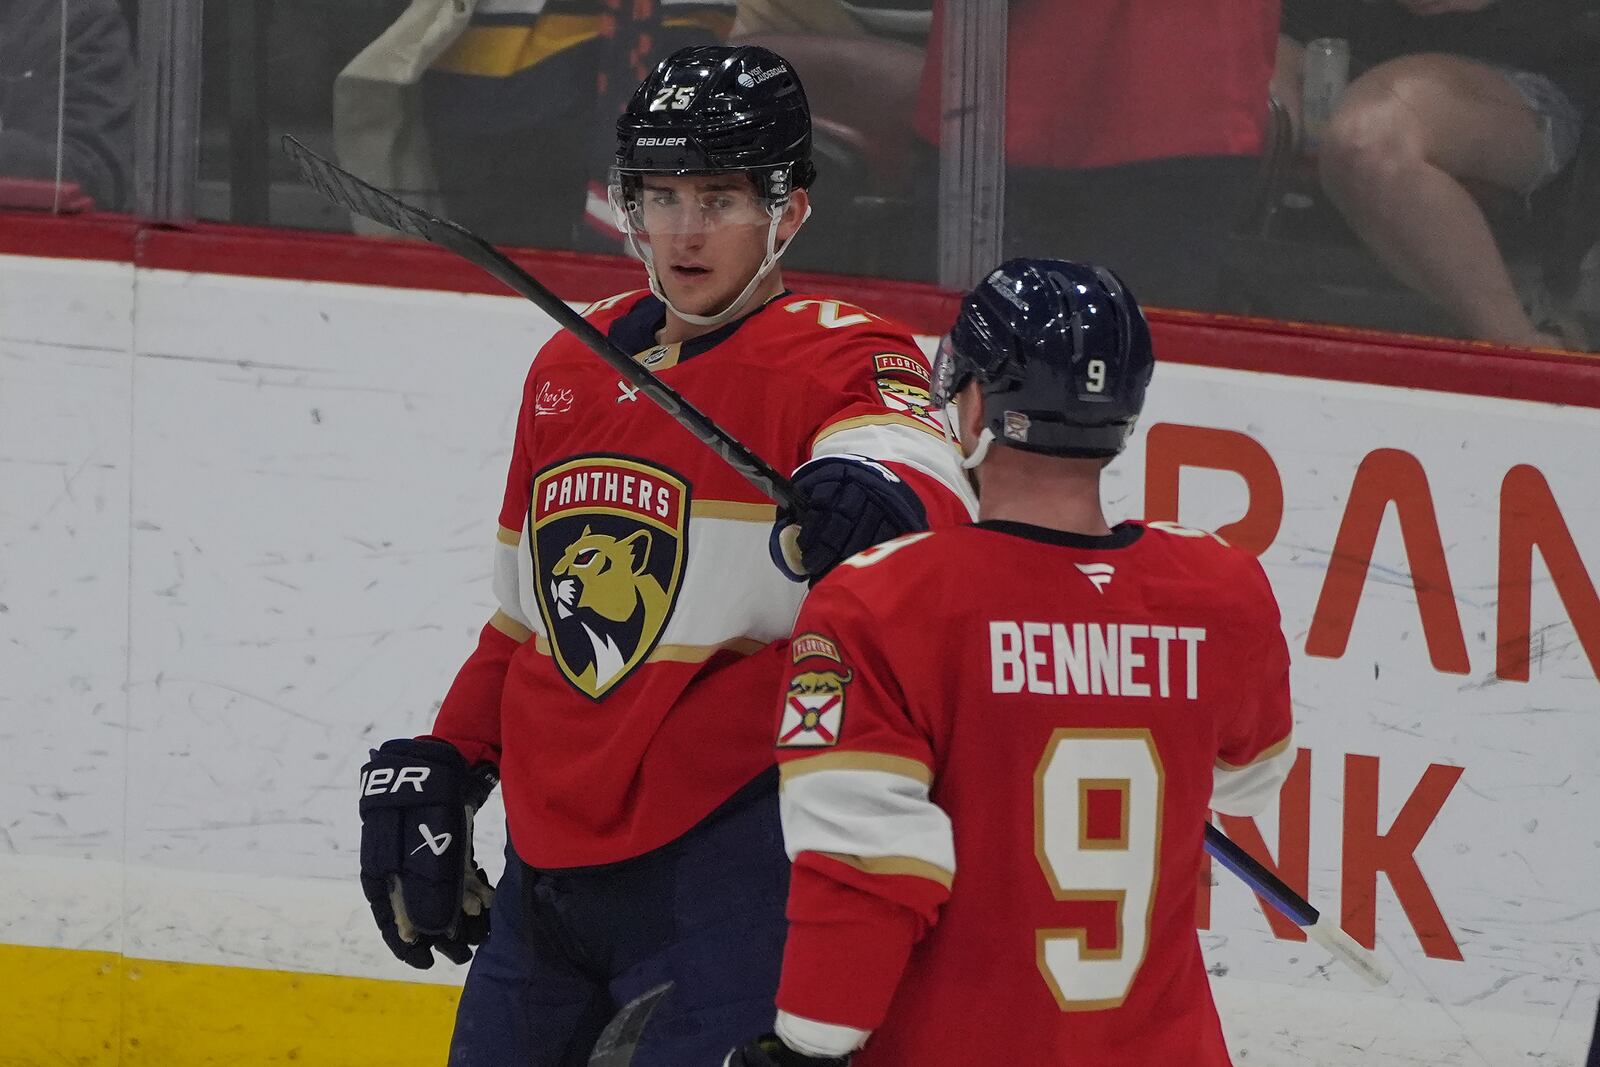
pixel 1000 742
pixel 621 692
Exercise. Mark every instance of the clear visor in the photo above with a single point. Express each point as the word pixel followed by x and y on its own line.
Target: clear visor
pixel 949 378
pixel 653 206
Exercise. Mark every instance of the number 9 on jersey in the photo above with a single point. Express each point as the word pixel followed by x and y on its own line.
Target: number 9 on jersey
pixel 1097 835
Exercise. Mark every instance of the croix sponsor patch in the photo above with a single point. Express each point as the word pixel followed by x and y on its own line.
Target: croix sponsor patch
pixel 813 709
pixel 552 400
pixel 608 541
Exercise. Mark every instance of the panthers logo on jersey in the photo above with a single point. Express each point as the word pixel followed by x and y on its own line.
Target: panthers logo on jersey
pixel 608 543
pixel 813 711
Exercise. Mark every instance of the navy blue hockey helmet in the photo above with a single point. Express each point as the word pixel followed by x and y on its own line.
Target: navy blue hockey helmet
pixel 1061 353
pixel 713 108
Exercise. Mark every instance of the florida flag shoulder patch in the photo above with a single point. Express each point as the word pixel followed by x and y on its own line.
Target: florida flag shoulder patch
pixel 813 709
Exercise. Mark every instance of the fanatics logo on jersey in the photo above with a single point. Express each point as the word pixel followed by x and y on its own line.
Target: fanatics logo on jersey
pixel 1098 573
pixel 813 712
pixel 552 401
pixel 807 645
pixel 608 540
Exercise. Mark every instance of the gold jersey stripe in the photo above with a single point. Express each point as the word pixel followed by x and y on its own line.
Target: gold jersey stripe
pixel 507 536
pixel 886 419
pixel 500 51
pixel 1266 754
pixel 741 646
pixel 734 509
pixel 895 865
pixel 510 627
pixel 857 761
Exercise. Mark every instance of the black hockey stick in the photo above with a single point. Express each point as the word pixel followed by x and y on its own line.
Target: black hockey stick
pixel 370 202
pixel 1322 929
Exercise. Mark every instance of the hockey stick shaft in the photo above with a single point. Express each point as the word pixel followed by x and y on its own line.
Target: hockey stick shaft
pixel 370 202
pixel 1320 928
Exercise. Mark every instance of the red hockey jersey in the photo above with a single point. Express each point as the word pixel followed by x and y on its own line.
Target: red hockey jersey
pixel 624 686
pixel 998 748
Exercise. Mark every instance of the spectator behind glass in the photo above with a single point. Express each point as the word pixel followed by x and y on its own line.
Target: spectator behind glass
pixel 92 122
pixel 1133 130
pixel 520 109
pixel 1446 92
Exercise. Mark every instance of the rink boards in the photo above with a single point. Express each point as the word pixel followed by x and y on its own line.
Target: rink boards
pixel 246 527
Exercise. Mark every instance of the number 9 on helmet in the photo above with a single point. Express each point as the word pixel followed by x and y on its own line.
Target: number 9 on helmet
pixel 1061 354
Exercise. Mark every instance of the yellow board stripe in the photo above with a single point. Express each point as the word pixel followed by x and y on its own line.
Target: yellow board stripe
pixel 906 865
pixel 98 1009
pixel 856 761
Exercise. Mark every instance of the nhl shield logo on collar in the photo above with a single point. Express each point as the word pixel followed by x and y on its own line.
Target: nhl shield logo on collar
pixel 609 545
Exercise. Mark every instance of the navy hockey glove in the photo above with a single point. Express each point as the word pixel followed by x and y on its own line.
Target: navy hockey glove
pixel 770 1051
pixel 417 802
pixel 850 503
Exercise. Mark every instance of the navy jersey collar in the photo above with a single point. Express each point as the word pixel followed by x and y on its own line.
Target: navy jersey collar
pixel 1122 534
pixel 636 330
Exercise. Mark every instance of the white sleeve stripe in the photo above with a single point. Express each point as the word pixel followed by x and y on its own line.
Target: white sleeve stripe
pixel 1249 790
pixel 507 582
pixel 868 815
pixel 919 448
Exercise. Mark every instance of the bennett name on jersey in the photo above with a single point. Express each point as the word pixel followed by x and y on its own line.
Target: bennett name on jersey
pixel 1126 659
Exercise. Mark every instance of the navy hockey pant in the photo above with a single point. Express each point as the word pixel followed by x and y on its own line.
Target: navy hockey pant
pixel 568 947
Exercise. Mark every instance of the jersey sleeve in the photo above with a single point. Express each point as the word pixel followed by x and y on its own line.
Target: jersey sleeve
pixel 1254 737
pixel 874 857
pixel 884 412
pixel 469 718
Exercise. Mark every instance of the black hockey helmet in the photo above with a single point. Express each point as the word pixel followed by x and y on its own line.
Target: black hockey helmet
pixel 1061 353
pixel 713 108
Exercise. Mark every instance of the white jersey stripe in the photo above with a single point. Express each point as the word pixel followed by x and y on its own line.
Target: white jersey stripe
pixel 1250 789
pixel 868 815
pixel 901 440
pixel 730 588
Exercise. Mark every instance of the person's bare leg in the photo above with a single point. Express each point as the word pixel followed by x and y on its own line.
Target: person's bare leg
pixel 1403 134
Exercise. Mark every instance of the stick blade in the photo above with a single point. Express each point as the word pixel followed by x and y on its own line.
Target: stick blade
pixel 618 1040
pixel 353 194
pixel 1344 948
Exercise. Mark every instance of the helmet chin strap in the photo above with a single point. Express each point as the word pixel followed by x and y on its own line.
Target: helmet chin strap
pixel 732 311
pixel 981 449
